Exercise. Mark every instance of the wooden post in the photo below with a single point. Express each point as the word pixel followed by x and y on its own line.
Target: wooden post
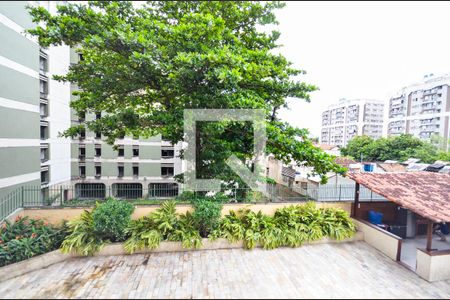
pixel 429 235
pixel 356 203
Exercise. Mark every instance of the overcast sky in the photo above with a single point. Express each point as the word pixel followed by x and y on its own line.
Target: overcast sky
pixel 361 50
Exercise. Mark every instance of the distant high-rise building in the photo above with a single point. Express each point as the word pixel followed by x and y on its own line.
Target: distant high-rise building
pixel 421 109
pixel 349 118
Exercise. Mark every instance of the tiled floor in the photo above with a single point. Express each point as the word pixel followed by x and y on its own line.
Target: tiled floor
pixel 327 270
pixel 409 248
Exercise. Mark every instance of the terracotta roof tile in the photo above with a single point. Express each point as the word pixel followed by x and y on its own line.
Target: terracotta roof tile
pixel 425 193
pixel 344 161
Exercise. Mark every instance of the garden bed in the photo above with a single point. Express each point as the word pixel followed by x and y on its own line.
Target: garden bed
pixel 54 257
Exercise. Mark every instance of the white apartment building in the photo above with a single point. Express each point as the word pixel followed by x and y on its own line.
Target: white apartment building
pixel 421 109
pixel 349 118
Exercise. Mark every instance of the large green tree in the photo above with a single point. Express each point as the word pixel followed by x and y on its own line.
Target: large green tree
pixel 144 65
pixel 398 148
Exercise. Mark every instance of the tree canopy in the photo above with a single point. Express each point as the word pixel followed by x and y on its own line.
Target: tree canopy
pixel 144 65
pixel 398 148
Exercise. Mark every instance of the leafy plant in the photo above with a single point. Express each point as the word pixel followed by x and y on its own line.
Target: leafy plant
pixel 111 218
pixel 207 213
pixel 162 224
pixel 290 226
pixel 83 239
pixel 26 238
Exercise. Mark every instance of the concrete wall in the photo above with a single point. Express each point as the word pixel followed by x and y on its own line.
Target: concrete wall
pixel 379 239
pixel 57 215
pixel 433 266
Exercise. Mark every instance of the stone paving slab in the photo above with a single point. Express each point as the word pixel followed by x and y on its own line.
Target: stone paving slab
pixel 351 270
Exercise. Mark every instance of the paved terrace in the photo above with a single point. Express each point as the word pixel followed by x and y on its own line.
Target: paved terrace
pixel 343 270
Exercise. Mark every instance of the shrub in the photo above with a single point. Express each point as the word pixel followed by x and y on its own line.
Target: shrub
pixel 162 224
pixel 111 218
pixel 82 238
pixel 206 215
pixel 26 238
pixel 290 226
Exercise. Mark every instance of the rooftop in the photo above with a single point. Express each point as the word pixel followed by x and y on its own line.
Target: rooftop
pixel 425 193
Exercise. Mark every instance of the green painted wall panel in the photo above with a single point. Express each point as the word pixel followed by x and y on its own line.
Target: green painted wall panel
pixel 19 124
pixel 74 150
pixel 108 152
pixel 149 169
pixel 74 169
pixel 19 160
pixel 128 151
pixel 90 170
pixel 90 151
pixel 150 152
pixel 12 85
pixel 109 169
pixel 7 191
pixel 18 48
pixel 16 11
pixel 128 170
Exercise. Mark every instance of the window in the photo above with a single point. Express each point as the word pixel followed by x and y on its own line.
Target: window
pixel 83 134
pixel 167 153
pixel 80 57
pixel 98 171
pixel 166 171
pixel 120 171
pixel 135 151
pixel 43 66
pixel 121 151
pixel 98 135
pixel 135 171
pixel 43 88
pixel 82 152
pixel 44 154
pixel 82 170
pixel 45 178
pixel 44 132
pixel 98 150
pixel 43 110
pixel 98 115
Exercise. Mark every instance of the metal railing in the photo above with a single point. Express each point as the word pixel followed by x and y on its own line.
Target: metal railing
pixel 87 194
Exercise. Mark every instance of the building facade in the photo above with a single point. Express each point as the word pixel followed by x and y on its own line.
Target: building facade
pixel 34 108
pixel 349 118
pixel 139 168
pixel 421 109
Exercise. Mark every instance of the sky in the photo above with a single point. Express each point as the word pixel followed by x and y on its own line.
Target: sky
pixel 361 50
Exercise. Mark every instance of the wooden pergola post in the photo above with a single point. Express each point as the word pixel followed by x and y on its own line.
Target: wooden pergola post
pixel 356 203
pixel 429 235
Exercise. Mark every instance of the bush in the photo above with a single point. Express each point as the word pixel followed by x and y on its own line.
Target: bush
pixel 290 226
pixel 161 225
pixel 111 218
pixel 206 215
pixel 83 239
pixel 26 238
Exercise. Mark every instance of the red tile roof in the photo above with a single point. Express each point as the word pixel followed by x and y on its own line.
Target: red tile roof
pixel 344 161
pixel 425 193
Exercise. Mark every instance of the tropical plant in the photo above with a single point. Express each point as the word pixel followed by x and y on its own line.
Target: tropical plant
pixel 290 226
pixel 25 238
pixel 111 218
pixel 164 224
pixel 83 239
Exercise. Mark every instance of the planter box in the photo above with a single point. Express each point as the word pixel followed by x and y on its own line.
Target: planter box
pixel 48 259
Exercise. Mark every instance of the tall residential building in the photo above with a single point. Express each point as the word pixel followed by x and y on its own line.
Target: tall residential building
pixel 33 107
pixel 138 168
pixel 421 109
pixel 349 118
